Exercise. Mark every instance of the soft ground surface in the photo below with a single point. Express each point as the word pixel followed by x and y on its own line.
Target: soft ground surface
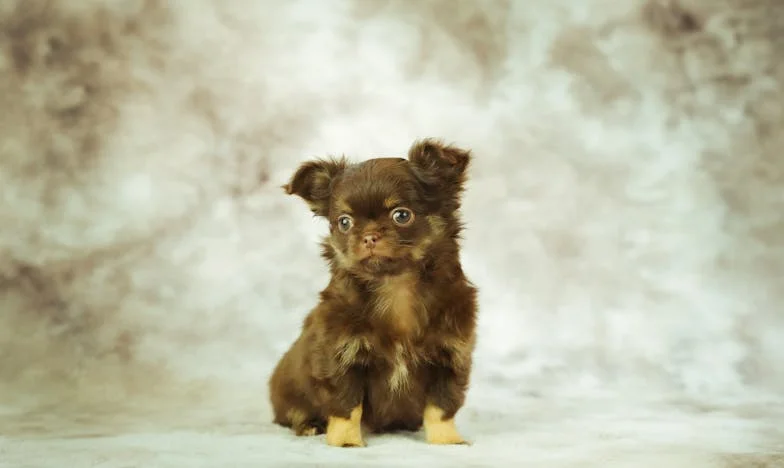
pixel 508 430
pixel 625 222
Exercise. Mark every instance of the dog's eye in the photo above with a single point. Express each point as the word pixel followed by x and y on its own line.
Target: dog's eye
pixel 344 223
pixel 402 216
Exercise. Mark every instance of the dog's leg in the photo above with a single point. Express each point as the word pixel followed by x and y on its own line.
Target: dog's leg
pixel 344 421
pixel 346 431
pixel 303 423
pixel 310 427
pixel 446 395
pixel 439 428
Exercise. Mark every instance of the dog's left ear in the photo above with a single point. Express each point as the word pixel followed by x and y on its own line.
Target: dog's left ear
pixel 443 167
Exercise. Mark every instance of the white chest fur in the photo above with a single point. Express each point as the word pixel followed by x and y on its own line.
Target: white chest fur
pixel 400 309
pixel 398 378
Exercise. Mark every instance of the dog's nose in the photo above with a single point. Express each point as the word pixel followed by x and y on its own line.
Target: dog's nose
pixel 370 240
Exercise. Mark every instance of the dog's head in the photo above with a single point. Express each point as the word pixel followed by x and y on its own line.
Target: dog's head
pixel 385 214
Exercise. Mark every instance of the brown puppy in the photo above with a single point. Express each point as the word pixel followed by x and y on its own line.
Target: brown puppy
pixel 389 345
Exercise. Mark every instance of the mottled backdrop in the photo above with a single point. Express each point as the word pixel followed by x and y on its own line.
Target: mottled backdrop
pixel 625 216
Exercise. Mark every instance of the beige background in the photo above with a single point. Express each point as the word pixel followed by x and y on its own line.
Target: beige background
pixel 625 220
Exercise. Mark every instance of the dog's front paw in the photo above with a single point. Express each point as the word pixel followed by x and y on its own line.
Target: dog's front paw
pixel 441 431
pixel 444 433
pixel 342 432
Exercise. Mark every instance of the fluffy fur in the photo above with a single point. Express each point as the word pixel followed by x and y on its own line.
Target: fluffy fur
pixel 391 340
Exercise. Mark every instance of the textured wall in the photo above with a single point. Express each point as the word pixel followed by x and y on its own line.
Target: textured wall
pixel 625 217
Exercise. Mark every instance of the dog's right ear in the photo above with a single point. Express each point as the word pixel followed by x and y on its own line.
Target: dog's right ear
pixel 313 183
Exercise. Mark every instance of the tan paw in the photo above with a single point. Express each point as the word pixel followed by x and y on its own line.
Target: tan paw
pixel 444 434
pixel 307 431
pixel 441 431
pixel 342 432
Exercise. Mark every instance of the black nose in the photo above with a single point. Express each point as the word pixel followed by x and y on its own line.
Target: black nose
pixel 370 240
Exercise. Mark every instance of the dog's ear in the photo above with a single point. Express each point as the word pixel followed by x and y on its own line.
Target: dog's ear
pixel 313 183
pixel 443 168
pixel 434 156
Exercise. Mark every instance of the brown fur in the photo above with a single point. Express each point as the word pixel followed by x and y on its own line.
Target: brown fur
pixel 394 331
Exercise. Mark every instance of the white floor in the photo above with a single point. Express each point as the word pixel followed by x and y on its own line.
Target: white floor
pixel 594 431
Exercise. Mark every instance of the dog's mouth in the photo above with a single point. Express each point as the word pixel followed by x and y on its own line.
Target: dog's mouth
pixel 374 259
pixel 381 264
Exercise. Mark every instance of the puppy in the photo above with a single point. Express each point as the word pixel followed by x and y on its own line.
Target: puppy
pixel 389 345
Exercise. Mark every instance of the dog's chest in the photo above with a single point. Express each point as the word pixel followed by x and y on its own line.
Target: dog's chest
pixel 399 318
pixel 393 366
pixel 400 366
pixel 398 306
